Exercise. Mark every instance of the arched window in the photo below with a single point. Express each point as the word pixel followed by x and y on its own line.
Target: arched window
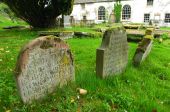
pixel 126 13
pixel 149 2
pixel 101 13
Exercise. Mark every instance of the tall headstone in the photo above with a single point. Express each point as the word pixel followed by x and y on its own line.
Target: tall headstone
pixel 43 64
pixel 112 56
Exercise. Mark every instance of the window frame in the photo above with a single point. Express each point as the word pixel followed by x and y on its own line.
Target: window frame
pixel 150 2
pixel 126 12
pixel 147 19
pixel 101 13
pixel 167 18
pixel 84 17
pixel 83 6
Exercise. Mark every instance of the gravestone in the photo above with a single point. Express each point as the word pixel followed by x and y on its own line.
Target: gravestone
pixel 144 47
pixel 43 64
pixel 112 56
pixel 143 50
pixel 67 21
pixel 112 18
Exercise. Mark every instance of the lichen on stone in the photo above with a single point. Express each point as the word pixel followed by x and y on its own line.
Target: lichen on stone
pixel 149 31
pixel 149 37
pixel 46 45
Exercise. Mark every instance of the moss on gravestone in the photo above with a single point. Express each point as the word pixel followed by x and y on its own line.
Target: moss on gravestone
pixel 149 37
pixel 143 45
pixel 114 28
pixel 149 31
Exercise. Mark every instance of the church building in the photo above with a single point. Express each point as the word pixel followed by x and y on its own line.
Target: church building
pixel 133 11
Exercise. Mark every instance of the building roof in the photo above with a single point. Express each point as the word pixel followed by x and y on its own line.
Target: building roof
pixel 90 1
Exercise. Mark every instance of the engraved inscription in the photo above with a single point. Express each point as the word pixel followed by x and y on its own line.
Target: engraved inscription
pixel 45 69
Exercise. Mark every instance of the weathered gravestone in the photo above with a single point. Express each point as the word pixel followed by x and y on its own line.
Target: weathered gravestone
pixel 144 48
pixel 112 18
pixel 112 56
pixel 43 64
pixel 67 21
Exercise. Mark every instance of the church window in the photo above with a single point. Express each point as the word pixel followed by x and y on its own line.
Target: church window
pixel 101 13
pixel 149 2
pixel 126 12
pixel 167 18
pixel 146 18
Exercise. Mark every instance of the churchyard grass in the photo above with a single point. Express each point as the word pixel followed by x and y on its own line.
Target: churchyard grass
pixel 165 28
pixel 142 89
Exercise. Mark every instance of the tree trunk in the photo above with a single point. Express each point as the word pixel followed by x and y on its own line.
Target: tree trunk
pixel 43 23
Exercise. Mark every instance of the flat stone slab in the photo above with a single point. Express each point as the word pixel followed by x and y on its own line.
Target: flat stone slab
pixel 112 56
pixel 62 34
pixel 43 64
pixel 81 34
pixel 140 33
pixel 15 27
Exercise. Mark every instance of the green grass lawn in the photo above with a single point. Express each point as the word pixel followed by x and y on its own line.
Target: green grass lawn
pixel 165 28
pixel 143 89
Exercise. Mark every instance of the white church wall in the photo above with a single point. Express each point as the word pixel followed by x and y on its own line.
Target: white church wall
pixel 138 9
pixel 108 6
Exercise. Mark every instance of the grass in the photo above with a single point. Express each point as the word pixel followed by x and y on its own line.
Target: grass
pixel 165 28
pixel 143 89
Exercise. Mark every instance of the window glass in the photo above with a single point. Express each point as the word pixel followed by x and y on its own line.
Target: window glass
pixel 167 18
pixel 146 18
pixel 101 13
pixel 149 2
pixel 126 13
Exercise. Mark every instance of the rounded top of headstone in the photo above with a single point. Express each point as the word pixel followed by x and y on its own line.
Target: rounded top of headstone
pixel 44 43
pixel 43 64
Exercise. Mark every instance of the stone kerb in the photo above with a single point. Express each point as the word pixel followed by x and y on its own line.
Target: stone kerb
pixel 43 64
pixel 112 56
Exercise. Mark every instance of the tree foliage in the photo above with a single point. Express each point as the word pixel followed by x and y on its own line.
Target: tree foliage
pixel 4 9
pixel 40 13
pixel 117 10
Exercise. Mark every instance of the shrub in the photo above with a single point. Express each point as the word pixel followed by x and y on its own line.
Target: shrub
pixel 117 11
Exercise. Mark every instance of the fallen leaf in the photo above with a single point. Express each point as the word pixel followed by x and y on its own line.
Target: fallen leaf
pixel 7 51
pixel 1 49
pixel 154 110
pixel 72 100
pixel 78 97
pixel 160 40
pixel 8 111
pixel 78 110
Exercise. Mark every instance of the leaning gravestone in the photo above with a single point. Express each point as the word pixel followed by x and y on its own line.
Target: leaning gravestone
pixel 43 64
pixel 112 56
pixel 144 47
